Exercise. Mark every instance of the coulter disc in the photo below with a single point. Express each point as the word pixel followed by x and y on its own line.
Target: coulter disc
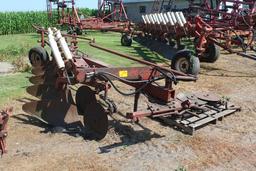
pixel 84 97
pixel 95 116
pixel 96 121
pixel 55 113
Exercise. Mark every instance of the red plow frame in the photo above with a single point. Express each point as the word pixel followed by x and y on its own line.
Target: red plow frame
pixel 55 79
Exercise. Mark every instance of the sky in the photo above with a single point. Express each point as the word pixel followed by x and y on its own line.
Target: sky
pixel 38 5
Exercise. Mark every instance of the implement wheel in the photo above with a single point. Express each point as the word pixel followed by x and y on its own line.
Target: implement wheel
pixel 95 116
pixel 126 40
pixel 38 56
pixel 212 53
pixel 186 63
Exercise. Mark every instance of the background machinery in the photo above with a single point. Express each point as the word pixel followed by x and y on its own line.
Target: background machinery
pixel 229 24
pixel 111 16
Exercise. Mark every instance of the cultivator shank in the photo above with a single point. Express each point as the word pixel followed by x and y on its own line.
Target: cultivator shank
pixel 80 82
pixel 4 117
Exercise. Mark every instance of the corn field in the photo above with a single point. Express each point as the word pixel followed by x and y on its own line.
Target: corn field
pixel 21 22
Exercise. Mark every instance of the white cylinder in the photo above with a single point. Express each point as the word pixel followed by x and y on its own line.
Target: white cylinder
pixel 156 18
pixel 159 18
pixel 166 18
pixel 50 32
pixel 182 17
pixel 170 18
pixel 163 19
pixel 64 46
pixel 147 19
pixel 173 18
pixel 144 20
pixel 55 50
pixel 179 19
pixel 152 19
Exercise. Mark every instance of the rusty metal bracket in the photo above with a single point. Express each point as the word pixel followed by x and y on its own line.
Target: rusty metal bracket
pixel 4 117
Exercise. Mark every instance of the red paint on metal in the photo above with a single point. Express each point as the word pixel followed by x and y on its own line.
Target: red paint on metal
pixel 4 117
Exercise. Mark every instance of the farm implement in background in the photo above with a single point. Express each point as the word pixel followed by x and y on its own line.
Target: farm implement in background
pixel 233 24
pixel 229 24
pixel 4 117
pixel 73 89
pixel 111 17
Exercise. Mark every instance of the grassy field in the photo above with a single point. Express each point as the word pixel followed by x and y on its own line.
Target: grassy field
pixel 14 49
pixel 112 40
pixel 13 86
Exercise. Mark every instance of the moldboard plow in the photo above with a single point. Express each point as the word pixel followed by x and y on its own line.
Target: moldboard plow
pixel 73 89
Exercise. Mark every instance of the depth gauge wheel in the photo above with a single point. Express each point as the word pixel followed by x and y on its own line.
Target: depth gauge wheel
pixel 126 40
pixel 38 56
pixel 212 53
pixel 187 64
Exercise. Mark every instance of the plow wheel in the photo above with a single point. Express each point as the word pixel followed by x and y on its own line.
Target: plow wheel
pixel 38 56
pixel 186 63
pixel 95 116
pixel 212 53
pixel 126 40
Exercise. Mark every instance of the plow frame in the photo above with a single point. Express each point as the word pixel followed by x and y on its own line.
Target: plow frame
pixel 96 78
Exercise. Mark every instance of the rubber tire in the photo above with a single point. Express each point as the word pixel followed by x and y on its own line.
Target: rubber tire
pixel 44 57
pixel 212 53
pixel 172 44
pixel 193 62
pixel 79 31
pixel 126 40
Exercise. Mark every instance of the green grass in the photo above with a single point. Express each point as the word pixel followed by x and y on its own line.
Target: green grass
pixel 13 86
pixel 16 46
pixel 112 40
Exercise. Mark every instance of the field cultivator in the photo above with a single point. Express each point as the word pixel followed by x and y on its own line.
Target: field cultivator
pixel 111 16
pixel 170 26
pixel 72 89
pixel 233 24
pixel 229 24
pixel 4 117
